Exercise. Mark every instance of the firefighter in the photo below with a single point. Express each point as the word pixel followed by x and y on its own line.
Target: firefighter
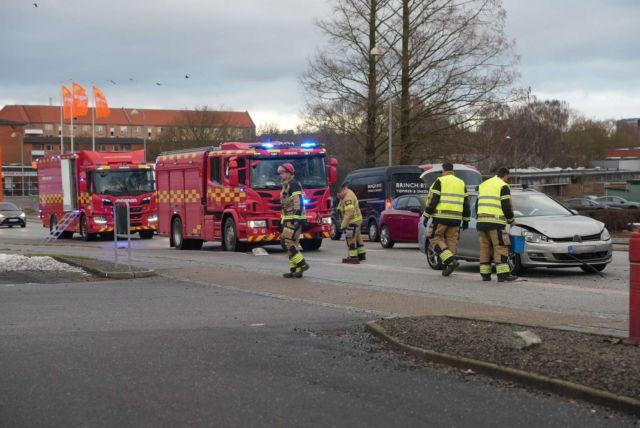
pixel 495 210
pixel 448 205
pixel 293 219
pixel 351 219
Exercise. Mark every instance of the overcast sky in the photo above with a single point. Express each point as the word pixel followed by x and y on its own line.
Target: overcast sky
pixel 247 54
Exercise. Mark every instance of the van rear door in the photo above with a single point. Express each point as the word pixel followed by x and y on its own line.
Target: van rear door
pixel 407 183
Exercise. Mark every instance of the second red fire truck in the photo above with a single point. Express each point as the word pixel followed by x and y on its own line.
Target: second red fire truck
pixel 231 194
pixel 77 192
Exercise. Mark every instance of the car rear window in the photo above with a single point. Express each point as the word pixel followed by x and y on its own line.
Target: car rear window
pixel 407 183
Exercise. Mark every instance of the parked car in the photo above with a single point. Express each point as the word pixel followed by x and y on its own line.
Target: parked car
pixel 377 188
pixel 618 202
pixel 399 222
pixel 580 204
pixel 555 237
pixel 11 215
pixel 592 197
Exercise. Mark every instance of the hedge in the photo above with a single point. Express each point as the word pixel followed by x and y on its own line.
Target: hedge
pixel 615 220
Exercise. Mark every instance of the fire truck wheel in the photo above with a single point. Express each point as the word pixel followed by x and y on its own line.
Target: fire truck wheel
pixel 146 234
pixel 311 244
pixel 231 236
pixel 84 230
pixel 176 234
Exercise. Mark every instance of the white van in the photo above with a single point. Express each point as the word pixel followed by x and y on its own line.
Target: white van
pixel 467 173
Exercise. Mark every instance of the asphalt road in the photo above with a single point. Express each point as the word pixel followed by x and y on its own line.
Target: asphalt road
pixel 159 352
pixel 401 270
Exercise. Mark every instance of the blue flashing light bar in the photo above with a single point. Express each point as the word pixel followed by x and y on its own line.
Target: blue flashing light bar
pixel 267 145
pixel 98 163
pixel 308 145
pixel 306 201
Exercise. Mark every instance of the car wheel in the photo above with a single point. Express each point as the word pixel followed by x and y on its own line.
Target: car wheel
pixel 599 268
pixel 10 226
pixel 385 238
pixel 515 263
pixel 374 233
pixel 231 236
pixel 176 235
pixel 633 207
pixel 432 258
pixel 335 232
pixel 84 230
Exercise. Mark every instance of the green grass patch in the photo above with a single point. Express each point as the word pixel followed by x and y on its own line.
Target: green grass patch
pixel 66 256
pixel 29 211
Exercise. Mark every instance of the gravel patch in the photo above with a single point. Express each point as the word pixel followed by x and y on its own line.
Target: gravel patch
pixel 592 360
pixel 16 262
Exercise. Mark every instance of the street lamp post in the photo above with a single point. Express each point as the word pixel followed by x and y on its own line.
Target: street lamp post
pixel 144 129
pixel 16 134
pixel 516 143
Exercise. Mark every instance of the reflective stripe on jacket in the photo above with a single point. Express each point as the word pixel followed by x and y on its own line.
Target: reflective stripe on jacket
pixel 490 202
pixel 292 200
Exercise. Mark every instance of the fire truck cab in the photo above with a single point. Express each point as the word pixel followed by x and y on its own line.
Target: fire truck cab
pixel 83 187
pixel 231 194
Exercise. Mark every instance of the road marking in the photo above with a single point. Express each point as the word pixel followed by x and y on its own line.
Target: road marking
pixel 256 325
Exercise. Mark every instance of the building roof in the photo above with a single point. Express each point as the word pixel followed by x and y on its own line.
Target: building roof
pixel 119 116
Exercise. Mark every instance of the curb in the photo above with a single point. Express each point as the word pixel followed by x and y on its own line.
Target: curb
pixel 105 274
pixel 569 389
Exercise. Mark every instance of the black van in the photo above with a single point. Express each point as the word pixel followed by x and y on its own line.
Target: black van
pixel 375 189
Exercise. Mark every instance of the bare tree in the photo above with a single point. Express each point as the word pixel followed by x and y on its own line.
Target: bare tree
pixel 454 59
pixel 346 86
pixel 269 130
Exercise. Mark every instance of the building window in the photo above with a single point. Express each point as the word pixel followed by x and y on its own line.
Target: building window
pixel 160 129
pixel 111 132
pixel 216 132
pixel 228 133
pixel 123 129
pixel 149 132
pixel 48 127
pixel 49 148
pixel 75 127
pixel 115 148
pixel 59 130
pixel 239 132
pixel 126 148
pixel 138 130
pixel 103 148
pixel 37 147
pixel 86 128
pixel 99 129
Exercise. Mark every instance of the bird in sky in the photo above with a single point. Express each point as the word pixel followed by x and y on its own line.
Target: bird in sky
pixel 35 4
pixel 130 79
pixel 186 77
pixel 111 81
pixel 159 84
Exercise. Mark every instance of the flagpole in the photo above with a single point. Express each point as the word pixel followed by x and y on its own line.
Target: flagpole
pixel 61 119
pixel 93 117
pixel 73 94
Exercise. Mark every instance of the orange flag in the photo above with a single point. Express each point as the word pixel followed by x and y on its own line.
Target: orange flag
pixel 67 99
pixel 80 100
pixel 102 108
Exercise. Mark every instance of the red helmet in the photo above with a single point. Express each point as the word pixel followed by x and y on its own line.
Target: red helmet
pixel 287 167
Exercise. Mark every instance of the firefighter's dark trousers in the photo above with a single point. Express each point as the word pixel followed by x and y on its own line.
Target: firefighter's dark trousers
pixel 355 245
pixel 444 241
pixel 296 260
pixel 494 243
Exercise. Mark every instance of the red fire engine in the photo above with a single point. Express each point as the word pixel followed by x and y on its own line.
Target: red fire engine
pixel 77 192
pixel 231 194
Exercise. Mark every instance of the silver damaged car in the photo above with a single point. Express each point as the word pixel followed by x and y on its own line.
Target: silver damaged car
pixel 555 236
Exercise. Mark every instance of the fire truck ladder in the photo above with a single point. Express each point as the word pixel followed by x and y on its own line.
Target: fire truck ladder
pixel 60 227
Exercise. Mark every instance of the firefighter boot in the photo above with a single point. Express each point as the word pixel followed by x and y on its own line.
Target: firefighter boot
pixel 486 277
pixel 290 274
pixel 303 265
pixel 362 257
pixel 506 277
pixel 449 268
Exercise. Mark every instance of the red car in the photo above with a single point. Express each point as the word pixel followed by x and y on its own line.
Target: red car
pixel 399 222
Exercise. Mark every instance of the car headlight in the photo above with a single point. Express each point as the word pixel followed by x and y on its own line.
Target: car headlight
pixel 604 236
pixel 326 220
pixel 100 220
pixel 153 217
pixel 257 223
pixel 23 215
pixel 536 237
pixel 1 216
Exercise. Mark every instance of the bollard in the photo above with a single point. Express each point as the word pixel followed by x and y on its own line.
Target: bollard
pixel 634 289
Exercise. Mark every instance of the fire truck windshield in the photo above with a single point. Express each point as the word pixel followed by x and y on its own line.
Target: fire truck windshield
pixel 310 171
pixel 123 182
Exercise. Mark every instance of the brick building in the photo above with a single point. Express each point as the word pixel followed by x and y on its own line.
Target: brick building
pixel 123 130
